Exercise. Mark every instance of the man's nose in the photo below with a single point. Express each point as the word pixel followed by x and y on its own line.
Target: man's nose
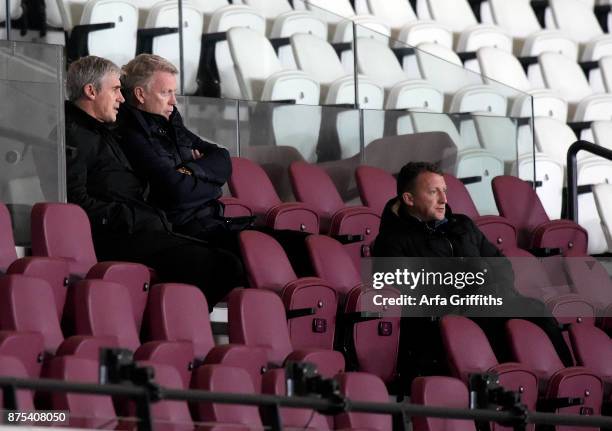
pixel 172 100
pixel 442 198
pixel 121 99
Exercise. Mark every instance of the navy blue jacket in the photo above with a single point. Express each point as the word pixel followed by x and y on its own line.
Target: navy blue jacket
pixel 160 151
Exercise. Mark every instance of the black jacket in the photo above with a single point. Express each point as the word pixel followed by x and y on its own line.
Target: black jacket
pixel 158 149
pixel 402 235
pixel 101 180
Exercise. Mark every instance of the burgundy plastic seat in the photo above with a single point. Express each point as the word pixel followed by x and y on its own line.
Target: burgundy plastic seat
pixel 28 347
pixel 590 279
pixel 274 382
pixel 498 230
pixel 532 348
pixel 468 351
pixel 438 391
pixel 376 187
pixel 313 186
pixel 54 271
pixel 86 411
pixel 257 318
pixel 366 388
pixel 75 246
pixel 179 313
pixel 370 332
pixel 169 415
pixel 269 268
pixel 12 367
pixel 518 202
pixel 250 183
pixel 224 378
pixel 593 350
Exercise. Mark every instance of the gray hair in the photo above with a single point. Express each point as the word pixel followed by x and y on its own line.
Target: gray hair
pixel 138 72
pixel 88 70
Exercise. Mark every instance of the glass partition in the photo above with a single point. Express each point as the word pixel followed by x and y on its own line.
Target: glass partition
pixel 31 129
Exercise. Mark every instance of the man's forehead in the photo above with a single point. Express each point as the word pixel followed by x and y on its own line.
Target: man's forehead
pixel 431 179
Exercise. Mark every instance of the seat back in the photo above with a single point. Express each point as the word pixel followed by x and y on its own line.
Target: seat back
pixel 251 185
pixel 331 11
pixel 28 305
pixel 169 415
pixel 125 17
pixel 518 202
pixel 376 61
pixel 7 243
pixel 332 263
pixel 12 367
pixel 531 346
pixel 439 391
pixel 590 279
pixel 603 200
pixel 396 13
pixel 257 318
pixel 498 66
pixel 367 388
pixel 317 58
pixel 457 15
pixel 459 198
pixel 50 238
pixel 253 70
pixel 313 186
pixel 376 187
pixel 593 349
pixel 467 348
pixel 517 18
pixel 223 378
pixel 269 8
pixel 179 312
pixel 576 19
pixel 103 308
pixel 442 67
pixel 86 411
pixel 564 75
pixel 166 15
pixel 553 138
pixel 266 263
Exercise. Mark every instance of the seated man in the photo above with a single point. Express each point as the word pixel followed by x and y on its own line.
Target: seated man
pixel 186 173
pixel 419 223
pixel 101 180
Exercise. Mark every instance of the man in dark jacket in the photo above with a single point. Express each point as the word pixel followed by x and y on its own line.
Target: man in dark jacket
pixel 419 223
pixel 101 180
pixel 186 173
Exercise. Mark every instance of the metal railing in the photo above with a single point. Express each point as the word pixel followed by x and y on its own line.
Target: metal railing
pixel 146 394
pixel 572 172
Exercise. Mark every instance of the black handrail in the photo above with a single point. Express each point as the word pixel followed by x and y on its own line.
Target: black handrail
pixel 572 172
pixel 151 393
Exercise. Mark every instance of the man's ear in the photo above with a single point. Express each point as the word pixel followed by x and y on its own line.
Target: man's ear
pixel 89 91
pixel 408 199
pixel 139 95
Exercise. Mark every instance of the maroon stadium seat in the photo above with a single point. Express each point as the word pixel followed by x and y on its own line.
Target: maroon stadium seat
pixel 366 388
pixel 590 279
pixel 179 313
pixel 11 366
pixel 7 243
pixel 86 411
pixel 224 378
pixel 313 186
pixel 257 318
pixel 593 350
pixel 370 333
pixel 438 391
pixel 532 348
pixel 468 351
pixel 250 183
pixel 518 202
pixel 376 187
pixel 268 268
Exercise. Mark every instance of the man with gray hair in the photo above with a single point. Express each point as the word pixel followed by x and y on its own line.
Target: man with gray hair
pixel 101 180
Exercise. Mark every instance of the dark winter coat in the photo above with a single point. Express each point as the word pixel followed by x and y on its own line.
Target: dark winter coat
pixel 160 151
pixel 101 180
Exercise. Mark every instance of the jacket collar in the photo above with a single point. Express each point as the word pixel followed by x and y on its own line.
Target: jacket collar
pixel 148 122
pixel 83 119
pixel 395 217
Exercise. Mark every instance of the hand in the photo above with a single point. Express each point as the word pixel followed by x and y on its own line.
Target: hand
pixel 196 154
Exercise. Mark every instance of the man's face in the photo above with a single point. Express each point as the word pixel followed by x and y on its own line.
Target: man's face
pixel 159 97
pixel 428 199
pixel 106 101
